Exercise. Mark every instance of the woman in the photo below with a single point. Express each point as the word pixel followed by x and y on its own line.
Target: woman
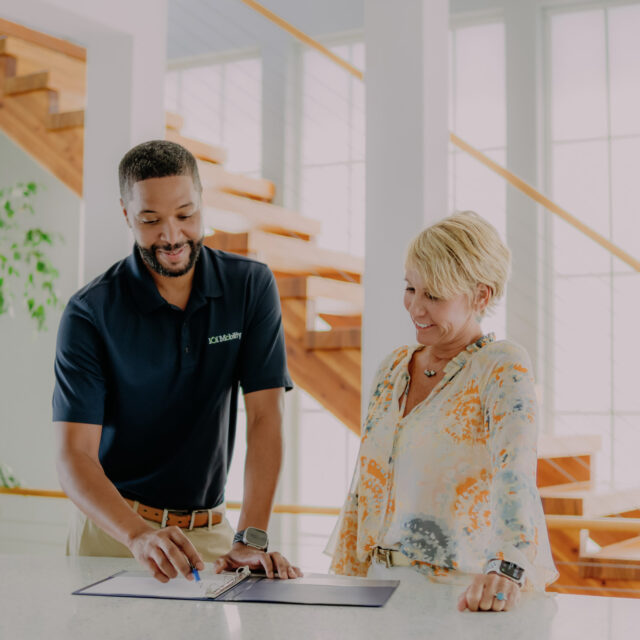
pixel 445 483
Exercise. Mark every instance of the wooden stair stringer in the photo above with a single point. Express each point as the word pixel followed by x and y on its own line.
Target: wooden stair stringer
pixel 332 378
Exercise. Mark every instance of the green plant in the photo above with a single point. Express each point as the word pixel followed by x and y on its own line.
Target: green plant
pixel 7 479
pixel 23 256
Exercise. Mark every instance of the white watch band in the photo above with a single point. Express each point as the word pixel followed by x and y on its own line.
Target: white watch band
pixel 495 566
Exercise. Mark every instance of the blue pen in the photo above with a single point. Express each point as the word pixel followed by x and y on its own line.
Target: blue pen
pixel 196 575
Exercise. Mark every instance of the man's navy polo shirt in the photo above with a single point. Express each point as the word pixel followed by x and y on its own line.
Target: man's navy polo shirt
pixel 163 382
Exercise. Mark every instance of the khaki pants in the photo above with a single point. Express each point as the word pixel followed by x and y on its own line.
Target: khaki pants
pixel 86 538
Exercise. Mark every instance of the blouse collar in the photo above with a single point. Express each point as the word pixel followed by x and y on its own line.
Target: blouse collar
pixel 456 363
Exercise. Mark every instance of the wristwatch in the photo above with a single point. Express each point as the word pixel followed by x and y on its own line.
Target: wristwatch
pixel 253 537
pixel 507 569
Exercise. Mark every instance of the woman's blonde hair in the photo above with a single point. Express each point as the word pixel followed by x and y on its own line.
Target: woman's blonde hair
pixel 457 254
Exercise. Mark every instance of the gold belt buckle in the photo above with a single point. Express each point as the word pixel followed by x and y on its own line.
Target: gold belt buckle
pixel 385 555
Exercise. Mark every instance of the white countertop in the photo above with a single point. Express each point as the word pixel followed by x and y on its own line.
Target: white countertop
pixel 36 604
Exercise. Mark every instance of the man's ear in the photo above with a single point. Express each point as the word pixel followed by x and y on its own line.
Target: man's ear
pixel 124 211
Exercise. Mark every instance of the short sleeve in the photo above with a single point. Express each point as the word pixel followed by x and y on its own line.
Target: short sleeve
pixel 80 389
pixel 263 359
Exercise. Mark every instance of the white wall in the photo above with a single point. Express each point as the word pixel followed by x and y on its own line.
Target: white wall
pixel 26 367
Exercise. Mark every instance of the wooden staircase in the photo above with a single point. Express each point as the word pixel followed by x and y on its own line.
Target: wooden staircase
pixel 42 95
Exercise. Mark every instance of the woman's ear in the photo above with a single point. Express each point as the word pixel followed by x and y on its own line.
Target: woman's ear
pixel 483 296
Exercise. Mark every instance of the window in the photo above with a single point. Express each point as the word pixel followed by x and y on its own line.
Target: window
pixel 221 103
pixel 594 147
pixel 332 148
pixel 477 113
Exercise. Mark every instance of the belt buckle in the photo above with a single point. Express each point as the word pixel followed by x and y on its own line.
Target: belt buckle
pixel 385 554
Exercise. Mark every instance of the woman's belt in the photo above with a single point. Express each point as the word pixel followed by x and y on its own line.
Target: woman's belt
pixel 390 557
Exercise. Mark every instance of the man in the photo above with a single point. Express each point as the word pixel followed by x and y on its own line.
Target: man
pixel 149 359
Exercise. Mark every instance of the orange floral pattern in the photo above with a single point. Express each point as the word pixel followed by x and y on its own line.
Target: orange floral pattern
pixel 452 483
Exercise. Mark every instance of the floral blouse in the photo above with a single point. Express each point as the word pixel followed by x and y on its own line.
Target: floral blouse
pixel 453 483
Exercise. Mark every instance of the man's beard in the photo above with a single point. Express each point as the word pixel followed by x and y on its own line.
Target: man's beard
pixel 150 259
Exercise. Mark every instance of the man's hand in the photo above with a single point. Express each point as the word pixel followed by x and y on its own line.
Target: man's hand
pixel 480 594
pixel 165 552
pixel 242 555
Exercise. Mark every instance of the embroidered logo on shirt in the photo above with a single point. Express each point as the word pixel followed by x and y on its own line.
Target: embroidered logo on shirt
pixel 225 337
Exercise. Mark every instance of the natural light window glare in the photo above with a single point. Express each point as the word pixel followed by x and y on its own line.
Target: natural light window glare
pixel 578 76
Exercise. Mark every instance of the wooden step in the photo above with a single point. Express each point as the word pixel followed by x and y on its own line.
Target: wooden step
pixel 588 499
pixel 314 287
pixel 22 118
pixel 257 215
pixel 65 120
pixel 566 459
pixel 341 338
pixel 200 150
pixel 173 121
pixel 618 561
pixel 43 40
pixel 24 83
pixel 337 321
pixel 288 255
pixel 215 177
pixel 66 67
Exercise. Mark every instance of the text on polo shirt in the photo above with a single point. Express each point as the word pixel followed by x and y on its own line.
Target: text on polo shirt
pixel 225 337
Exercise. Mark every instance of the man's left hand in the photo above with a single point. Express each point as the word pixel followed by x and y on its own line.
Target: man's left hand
pixel 274 563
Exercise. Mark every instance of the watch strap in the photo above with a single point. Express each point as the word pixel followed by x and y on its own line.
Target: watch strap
pixel 509 570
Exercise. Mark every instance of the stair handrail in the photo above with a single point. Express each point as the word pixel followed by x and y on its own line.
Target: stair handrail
pixel 504 173
pixel 13 29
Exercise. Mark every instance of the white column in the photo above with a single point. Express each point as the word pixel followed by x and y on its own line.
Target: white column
pixel 523 158
pixel 406 161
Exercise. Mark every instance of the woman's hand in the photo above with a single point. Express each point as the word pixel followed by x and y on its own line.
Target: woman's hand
pixel 480 595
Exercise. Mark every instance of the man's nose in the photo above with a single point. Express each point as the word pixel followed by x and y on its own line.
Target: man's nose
pixel 171 232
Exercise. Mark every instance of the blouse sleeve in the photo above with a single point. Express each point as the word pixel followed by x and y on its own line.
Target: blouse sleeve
pixel 343 542
pixel 518 524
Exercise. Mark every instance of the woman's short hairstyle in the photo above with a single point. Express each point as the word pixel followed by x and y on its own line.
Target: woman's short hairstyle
pixel 458 253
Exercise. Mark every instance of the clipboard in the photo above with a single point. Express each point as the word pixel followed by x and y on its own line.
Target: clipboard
pixel 245 586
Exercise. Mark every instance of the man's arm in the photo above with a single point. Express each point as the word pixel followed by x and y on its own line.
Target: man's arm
pixel 262 467
pixel 165 552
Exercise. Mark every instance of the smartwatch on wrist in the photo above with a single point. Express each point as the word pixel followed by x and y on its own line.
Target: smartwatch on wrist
pixel 253 537
pixel 507 569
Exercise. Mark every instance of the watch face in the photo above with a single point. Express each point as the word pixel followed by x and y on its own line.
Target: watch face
pixel 256 537
pixel 512 570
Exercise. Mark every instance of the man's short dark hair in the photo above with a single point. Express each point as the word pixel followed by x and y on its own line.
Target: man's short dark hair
pixel 156 159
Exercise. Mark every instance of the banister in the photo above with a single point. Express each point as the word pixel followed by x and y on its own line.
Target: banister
pixel 507 175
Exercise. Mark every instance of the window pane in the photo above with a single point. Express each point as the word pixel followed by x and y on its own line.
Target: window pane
pixel 590 425
pixel 626 301
pixel 242 115
pixel 325 467
pixel 200 102
pixel 625 194
pixel 481 190
pixel 325 110
pixel 582 352
pixel 325 197
pixel 578 76
pixel 624 63
pixel 580 185
pixel 480 85
pixel 171 93
pixel 356 228
pixel 626 444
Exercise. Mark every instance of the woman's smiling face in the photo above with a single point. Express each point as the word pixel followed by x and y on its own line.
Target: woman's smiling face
pixel 437 321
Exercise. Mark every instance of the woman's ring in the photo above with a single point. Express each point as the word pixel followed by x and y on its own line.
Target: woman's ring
pixel 499 596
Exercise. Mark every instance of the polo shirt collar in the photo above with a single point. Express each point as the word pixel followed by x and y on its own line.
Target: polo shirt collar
pixel 206 281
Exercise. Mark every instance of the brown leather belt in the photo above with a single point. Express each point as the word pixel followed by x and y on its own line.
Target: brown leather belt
pixel 176 518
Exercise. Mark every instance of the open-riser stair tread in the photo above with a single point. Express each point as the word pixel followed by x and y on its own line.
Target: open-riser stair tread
pixel 261 215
